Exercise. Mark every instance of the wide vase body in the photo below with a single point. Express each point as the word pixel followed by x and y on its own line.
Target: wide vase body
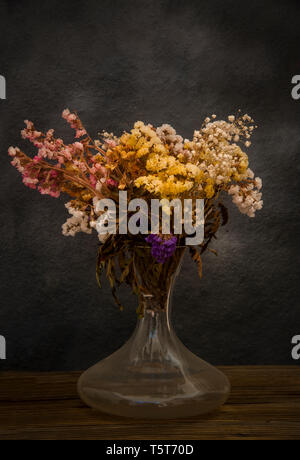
pixel 153 375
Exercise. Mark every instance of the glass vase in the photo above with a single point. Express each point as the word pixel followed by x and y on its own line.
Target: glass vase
pixel 153 375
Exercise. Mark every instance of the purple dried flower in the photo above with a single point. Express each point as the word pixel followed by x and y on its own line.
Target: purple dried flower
pixel 161 249
pixel 153 239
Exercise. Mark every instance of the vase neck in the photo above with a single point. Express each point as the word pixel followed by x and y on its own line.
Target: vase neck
pixel 155 282
pixel 155 323
pixel 153 336
pixel 157 312
pixel 154 340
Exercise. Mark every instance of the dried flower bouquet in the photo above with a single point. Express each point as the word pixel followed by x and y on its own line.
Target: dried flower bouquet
pixel 147 163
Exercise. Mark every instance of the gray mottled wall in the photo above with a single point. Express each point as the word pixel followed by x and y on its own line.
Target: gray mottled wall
pixel 117 61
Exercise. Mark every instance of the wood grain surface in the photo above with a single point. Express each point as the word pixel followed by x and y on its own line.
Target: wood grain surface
pixel 264 404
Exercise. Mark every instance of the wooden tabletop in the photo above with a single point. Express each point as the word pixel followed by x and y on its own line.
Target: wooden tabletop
pixel 264 404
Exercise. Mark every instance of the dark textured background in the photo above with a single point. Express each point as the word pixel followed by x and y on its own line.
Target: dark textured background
pixel 159 61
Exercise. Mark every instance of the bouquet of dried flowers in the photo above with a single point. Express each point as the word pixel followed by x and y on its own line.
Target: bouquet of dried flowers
pixel 147 163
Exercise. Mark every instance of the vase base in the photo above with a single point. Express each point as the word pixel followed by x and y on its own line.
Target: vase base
pixel 142 401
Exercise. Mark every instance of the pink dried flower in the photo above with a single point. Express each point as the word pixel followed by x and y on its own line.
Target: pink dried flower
pixel 28 183
pixel 98 168
pixel 111 143
pixel 93 180
pixel 54 193
pixel 80 133
pixel 74 122
pixel 82 166
pixel 17 164
pixel 67 153
pixel 51 190
pixel 49 133
pixel 66 113
pixel 78 145
pixel 111 182
pixel 12 151
pixel 29 124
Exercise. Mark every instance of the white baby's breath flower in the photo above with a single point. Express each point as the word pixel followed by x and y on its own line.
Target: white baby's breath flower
pixel 76 224
pixel 103 238
pixel 106 225
pixel 258 183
